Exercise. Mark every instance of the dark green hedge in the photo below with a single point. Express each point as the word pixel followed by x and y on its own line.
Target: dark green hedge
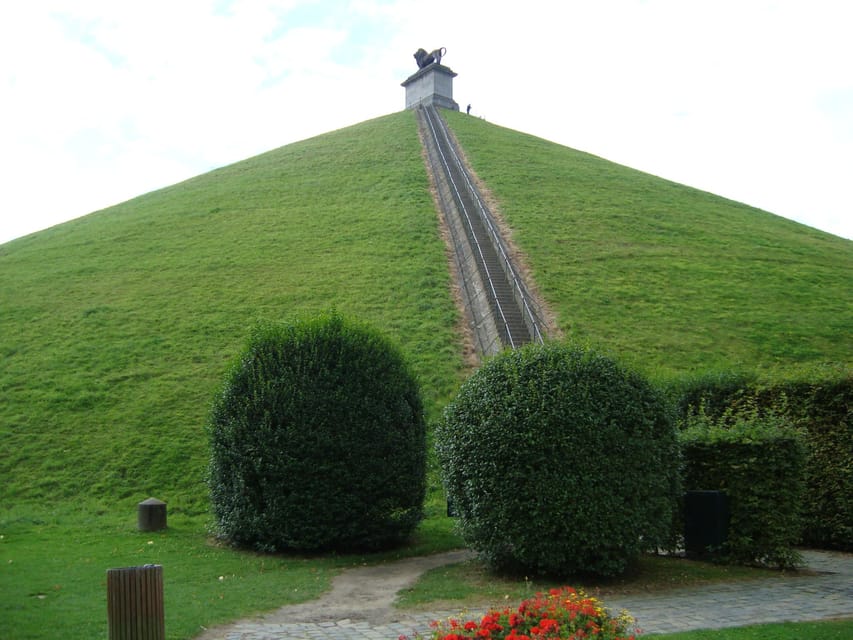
pixel 759 463
pixel 825 412
pixel 559 461
pixel 318 440
pixel 821 406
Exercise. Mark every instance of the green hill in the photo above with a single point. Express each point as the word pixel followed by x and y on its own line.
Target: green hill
pixel 669 277
pixel 116 330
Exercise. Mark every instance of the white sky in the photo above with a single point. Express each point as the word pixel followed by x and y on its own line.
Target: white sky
pixel 101 101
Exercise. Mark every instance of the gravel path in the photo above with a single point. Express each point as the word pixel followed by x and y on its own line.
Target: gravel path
pixel 359 605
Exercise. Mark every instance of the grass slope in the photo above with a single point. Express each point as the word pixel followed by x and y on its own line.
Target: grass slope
pixel 117 328
pixel 666 276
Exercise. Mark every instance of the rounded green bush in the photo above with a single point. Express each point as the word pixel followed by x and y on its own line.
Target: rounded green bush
pixel 558 461
pixel 318 441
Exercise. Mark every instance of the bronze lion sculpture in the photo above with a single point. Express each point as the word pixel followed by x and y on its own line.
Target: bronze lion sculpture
pixel 425 59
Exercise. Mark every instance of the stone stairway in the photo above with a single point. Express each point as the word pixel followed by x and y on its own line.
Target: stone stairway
pixel 485 265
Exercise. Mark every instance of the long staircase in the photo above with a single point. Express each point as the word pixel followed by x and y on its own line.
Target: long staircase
pixel 501 308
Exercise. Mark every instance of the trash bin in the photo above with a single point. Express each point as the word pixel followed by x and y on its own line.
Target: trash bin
pixel 706 521
pixel 135 603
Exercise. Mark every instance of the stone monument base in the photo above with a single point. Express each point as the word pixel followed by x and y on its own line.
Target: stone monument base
pixel 431 85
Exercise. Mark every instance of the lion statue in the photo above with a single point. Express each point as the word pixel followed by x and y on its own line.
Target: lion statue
pixel 425 59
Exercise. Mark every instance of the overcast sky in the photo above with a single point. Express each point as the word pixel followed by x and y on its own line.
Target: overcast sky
pixel 101 101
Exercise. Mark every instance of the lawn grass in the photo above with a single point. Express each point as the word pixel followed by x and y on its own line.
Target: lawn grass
pixel 824 630
pixel 667 278
pixel 54 571
pixel 53 566
pixel 116 330
pixel 471 585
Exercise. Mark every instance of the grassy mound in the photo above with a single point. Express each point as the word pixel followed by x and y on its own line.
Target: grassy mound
pixel 117 328
pixel 669 278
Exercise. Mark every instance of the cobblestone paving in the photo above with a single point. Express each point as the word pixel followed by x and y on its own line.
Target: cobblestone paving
pixel 829 594
pixel 781 599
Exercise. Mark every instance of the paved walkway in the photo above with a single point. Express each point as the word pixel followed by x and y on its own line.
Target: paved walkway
pixel 829 594
pixel 826 594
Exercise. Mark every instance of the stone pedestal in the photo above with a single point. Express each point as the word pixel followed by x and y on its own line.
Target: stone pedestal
pixel 151 515
pixel 431 85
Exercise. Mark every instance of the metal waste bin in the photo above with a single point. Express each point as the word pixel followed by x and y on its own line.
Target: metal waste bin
pixel 706 521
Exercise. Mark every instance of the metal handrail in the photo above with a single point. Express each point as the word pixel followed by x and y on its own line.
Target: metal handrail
pixel 467 261
pixel 468 221
pixel 497 240
pixel 465 258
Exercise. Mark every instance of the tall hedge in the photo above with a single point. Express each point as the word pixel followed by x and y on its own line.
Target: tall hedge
pixel 825 411
pixel 758 460
pixel 558 461
pixel 820 404
pixel 317 440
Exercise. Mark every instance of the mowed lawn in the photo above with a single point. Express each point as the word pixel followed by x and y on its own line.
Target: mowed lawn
pixel 672 279
pixel 117 328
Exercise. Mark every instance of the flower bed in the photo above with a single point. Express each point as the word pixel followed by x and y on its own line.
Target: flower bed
pixel 561 613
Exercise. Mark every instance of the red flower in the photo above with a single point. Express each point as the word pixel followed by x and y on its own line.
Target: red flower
pixel 560 613
pixel 546 624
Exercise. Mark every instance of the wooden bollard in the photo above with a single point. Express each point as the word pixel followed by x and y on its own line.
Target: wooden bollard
pixel 135 603
pixel 151 515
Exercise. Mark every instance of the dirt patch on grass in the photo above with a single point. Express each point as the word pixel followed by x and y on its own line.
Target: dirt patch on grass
pixel 362 594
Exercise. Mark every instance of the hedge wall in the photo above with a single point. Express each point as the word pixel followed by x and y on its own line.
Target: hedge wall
pixel 822 409
pixel 759 464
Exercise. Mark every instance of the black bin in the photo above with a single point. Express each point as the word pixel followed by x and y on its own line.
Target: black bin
pixel 706 521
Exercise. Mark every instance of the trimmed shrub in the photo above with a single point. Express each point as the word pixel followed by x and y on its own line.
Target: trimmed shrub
pixel 824 410
pixel 821 407
pixel 758 461
pixel 318 441
pixel 713 391
pixel 558 461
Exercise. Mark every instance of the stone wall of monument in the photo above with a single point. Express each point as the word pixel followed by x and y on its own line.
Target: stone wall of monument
pixel 431 85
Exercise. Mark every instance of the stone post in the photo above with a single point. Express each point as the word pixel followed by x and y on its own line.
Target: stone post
pixel 151 515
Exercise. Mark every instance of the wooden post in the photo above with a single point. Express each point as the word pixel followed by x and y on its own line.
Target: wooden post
pixel 151 515
pixel 135 603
